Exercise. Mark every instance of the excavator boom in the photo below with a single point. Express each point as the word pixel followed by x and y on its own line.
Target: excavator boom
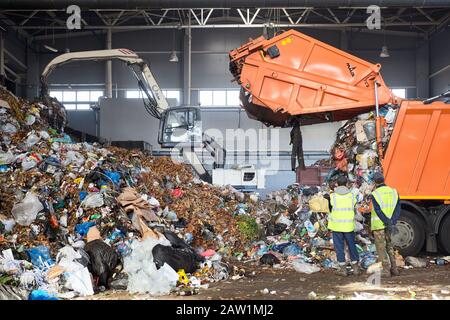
pixel 293 74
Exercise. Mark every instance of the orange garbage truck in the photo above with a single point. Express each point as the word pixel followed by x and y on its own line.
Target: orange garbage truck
pixel 294 76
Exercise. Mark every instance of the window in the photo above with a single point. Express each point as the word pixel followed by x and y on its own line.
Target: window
pixel 139 94
pixel 233 98
pixel 133 94
pixel 399 92
pixel 76 99
pixel 172 94
pixel 219 97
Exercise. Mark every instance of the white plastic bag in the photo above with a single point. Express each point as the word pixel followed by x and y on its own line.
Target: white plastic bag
pixel 8 128
pixel 44 135
pixel 25 212
pixel 284 220
pixel 93 200
pixel 303 267
pixel 32 139
pixel 29 163
pixel 143 276
pixel 77 277
pixel 75 158
pixel 390 115
pixel 6 158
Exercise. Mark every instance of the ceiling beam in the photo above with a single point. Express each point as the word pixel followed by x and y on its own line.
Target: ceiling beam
pixel 425 14
pixel 29 17
pixel 284 25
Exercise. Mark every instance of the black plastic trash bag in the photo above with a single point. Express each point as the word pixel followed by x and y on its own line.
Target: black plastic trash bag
pixel 176 241
pixel 269 259
pixel 176 258
pixel 103 260
pixel 274 229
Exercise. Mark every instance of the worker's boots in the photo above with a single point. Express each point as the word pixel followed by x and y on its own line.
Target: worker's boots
pixel 342 270
pixel 356 269
pixel 394 269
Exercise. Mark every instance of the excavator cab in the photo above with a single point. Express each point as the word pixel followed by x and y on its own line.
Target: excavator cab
pixel 180 127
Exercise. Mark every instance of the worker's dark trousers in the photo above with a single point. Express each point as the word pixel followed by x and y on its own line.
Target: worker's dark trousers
pixel 338 240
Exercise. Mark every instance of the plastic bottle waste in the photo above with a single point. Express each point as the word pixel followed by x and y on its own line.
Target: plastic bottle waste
pixel 188 237
pixel 310 228
pixel 30 119
pixel 25 212
pixel 440 262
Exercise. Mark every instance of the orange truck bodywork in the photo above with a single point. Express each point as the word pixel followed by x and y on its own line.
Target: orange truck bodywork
pixel 312 80
pixel 417 159
pixel 309 78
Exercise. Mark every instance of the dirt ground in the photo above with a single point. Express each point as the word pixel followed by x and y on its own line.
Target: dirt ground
pixel 427 283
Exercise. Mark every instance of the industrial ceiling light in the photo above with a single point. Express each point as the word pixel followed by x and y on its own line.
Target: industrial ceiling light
pixel 173 56
pixel 384 52
pixel 384 49
pixel 50 48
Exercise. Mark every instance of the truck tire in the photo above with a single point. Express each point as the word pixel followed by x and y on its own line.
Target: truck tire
pixel 444 234
pixel 411 236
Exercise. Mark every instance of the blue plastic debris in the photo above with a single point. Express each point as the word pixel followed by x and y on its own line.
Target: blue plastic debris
pixel 367 259
pixel 114 176
pixel 65 139
pixel 83 195
pixel 280 247
pixel 41 295
pixel 83 228
pixel 40 256
pixel 292 250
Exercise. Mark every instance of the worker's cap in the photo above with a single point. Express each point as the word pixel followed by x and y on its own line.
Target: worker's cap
pixel 378 177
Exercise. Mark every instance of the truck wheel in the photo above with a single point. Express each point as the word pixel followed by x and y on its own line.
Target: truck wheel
pixel 411 236
pixel 444 234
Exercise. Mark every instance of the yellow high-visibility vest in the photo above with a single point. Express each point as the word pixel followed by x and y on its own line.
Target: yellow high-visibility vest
pixel 387 199
pixel 341 218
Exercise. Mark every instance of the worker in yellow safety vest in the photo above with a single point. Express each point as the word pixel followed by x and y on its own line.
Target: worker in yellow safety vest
pixel 384 215
pixel 341 222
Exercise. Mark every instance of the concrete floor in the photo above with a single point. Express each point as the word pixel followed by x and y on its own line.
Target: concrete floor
pixel 428 283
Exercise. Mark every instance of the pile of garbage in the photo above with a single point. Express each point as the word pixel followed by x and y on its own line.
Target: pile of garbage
pixel 77 218
pixel 295 219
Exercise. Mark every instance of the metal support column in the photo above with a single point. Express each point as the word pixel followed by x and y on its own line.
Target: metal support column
pixel 187 64
pixel 108 73
pixel 2 59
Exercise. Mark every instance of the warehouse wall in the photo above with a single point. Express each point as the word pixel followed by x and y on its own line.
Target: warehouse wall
pixel 440 59
pixel 15 60
pixel 210 56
